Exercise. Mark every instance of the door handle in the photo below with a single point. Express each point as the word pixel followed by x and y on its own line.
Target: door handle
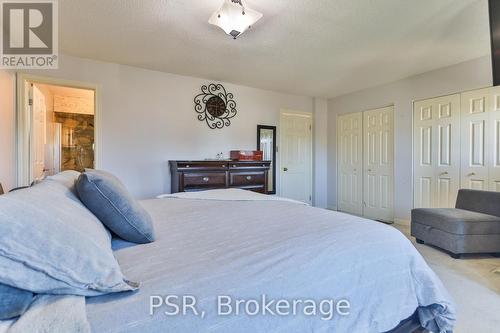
pixel 471 174
pixel 443 173
pixel 285 169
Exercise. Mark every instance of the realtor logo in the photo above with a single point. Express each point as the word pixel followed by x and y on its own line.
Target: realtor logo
pixel 29 37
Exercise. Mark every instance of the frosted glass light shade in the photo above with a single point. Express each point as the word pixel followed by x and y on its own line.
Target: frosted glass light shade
pixel 234 17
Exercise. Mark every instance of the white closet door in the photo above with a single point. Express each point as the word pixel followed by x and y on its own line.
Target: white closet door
pixel 447 168
pixel 424 161
pixel 476 106
pixel 494 129
pixel 350 163
pixel 378 151
pixel 436 151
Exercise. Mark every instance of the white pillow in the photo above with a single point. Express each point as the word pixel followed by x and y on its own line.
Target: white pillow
pixel 50 243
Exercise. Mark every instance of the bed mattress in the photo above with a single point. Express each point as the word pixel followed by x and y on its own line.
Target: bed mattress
pixel 247 250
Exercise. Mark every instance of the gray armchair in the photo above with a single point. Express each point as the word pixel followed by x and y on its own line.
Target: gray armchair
pixel 472 227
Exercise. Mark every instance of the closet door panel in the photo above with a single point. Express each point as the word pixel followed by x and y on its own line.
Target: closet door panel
pixel 476 107
pixel 350 163
pixel 425 192
pixel 447 167
pixel 436 151
pixel 423 154
pixel 378 163
pixel 493 141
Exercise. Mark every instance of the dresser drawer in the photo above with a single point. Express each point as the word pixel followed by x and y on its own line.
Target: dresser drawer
pixel 248 165
pixel 247 178
pixel 205 179
pixel 186 166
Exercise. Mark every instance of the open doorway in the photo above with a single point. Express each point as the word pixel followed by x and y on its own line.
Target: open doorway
pixel 63 129
pixel 59 129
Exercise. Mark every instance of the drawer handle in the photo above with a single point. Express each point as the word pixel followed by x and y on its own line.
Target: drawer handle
pixel 206 179
pixel 249 177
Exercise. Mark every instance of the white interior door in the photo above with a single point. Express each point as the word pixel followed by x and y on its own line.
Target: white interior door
pixel 53 149
pixel 39 133
pixel 447 155
pixel 378 157
pixel 57 147
pixel 296 156
pixel 493 140
pixel 436 151
pixel 424 165
pixel 475 112
pixel 494 129
pixel 350 163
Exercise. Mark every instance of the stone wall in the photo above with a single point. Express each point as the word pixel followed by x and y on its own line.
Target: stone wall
pixel 77 152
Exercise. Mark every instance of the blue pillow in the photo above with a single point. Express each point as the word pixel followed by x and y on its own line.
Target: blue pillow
pixel 51 244
pixel 13 302
pixel 106 197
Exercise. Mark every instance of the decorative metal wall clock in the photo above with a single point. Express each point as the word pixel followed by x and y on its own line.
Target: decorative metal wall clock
pixel 215 106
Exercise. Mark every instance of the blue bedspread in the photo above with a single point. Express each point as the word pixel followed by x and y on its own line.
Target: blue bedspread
pixel 283 250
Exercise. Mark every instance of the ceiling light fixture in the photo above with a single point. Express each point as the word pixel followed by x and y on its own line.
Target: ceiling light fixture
pixel 234 17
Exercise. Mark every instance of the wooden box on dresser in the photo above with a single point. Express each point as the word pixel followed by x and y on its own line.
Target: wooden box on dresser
pixel 189 176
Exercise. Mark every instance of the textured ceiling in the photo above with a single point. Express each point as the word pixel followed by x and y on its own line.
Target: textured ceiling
pixel 321 48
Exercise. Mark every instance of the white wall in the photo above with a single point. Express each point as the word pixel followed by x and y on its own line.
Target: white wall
pixel 7 124
pixel 148 118
pixel 465 76
pixel 320 152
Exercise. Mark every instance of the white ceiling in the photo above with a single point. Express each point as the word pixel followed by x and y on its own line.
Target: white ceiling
pixel 321 48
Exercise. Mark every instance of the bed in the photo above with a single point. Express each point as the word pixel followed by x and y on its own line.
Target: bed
pixel 241 246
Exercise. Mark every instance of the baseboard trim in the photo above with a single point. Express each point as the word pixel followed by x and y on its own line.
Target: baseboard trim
pixel 404 222
pixel 332 208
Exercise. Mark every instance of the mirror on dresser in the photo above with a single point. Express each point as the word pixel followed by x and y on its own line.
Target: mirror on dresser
pixel 266 142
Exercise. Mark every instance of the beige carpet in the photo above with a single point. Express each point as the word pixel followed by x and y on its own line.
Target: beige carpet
pixel 474 283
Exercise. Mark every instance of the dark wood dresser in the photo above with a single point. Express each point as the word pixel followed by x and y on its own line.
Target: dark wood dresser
pixel 189 176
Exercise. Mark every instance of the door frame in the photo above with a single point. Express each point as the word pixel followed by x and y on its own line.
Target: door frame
pixel 393 105
pixel 283 114
pixel 24 124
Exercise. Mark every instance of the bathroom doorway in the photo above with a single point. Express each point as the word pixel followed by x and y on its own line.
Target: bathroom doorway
pixel 62 129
